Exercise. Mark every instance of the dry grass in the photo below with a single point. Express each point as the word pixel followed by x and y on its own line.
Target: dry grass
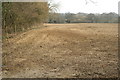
pixel 63 51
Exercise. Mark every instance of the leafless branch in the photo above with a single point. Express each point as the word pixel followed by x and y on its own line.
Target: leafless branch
pixel 87 1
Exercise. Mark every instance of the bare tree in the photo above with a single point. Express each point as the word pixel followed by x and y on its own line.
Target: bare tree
pixel 87 1
pixel 53 7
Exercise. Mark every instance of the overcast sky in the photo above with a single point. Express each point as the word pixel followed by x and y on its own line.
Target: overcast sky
pixel 75 6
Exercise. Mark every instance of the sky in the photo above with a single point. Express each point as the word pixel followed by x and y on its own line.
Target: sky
pixel 75 6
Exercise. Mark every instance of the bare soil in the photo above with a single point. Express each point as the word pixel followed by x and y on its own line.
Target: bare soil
pixel 82 50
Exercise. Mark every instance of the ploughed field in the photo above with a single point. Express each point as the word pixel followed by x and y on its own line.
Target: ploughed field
pixel 63 51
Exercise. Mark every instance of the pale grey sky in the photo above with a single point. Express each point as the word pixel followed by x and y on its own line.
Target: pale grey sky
pixel 75 6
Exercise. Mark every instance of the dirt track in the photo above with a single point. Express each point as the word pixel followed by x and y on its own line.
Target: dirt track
pixel 63 51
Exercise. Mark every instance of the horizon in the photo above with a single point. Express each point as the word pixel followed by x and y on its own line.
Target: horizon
pixel 87 13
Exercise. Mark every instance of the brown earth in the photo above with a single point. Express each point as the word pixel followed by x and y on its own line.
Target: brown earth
pixel 63 51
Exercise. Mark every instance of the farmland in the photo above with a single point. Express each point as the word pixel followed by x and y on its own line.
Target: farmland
pixel 63 51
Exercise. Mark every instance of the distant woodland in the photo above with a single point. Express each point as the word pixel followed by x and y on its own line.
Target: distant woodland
pixel 83 18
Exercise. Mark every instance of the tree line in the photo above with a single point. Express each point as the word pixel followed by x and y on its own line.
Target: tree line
pixel 83 18
pixel 20 16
